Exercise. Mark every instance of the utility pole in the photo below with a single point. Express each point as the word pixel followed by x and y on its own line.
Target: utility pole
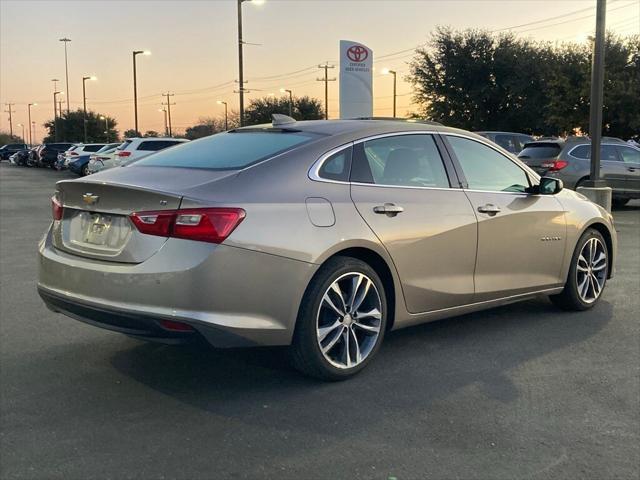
pixel 240 66
pixel 596 189
pixel 29 114
pixel 84 104
pixel 286 90
pixel 66 69
pixel 226 117
pixel 166 128
pixel 326 81
pixel 168 105
pixel 10 112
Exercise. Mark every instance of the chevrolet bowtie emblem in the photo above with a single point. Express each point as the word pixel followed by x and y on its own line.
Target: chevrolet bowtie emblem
pixel 90 198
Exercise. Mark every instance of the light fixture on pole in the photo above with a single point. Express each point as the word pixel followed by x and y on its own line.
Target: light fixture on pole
pixel 241 90
pixel 29 105
pixel 106 126
pixel 166 128
pixel 135 85
pixel 66 40
pixel 226 120
pixel 24 140
pixel 33 124
pixel 285 90
pixel 84 103
pixel 168 105
pixel 386 71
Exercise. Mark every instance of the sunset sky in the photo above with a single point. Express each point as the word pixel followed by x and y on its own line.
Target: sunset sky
pixel 194 48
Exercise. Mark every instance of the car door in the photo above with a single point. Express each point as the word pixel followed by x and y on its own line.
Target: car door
pixel 631 159
pixel 401 187
pixel 521 236
pixel 612 168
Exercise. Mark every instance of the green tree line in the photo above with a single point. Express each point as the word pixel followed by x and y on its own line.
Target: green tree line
pixel 477 80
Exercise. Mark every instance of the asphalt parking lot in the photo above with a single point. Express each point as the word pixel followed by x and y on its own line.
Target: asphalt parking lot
pixel 523 391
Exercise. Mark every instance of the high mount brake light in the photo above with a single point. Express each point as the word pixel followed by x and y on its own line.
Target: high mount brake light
pixel 211 225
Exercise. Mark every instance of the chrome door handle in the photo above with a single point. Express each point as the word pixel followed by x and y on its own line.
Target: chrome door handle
pixel 631 169
pixel 489 208
pixel 389 209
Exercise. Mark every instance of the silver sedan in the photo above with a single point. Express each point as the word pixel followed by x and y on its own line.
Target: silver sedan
pixel 321 235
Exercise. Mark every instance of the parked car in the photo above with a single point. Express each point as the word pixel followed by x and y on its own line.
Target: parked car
pixel 511 142
pixel 20 157
pixel 34 155
pixel 48 154
pixel 322 235
pixel 133 149
pixel 102 160
pixel 570 161
pixel 10 148
pixel 80 164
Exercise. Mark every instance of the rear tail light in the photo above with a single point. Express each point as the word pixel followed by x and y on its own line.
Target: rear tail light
pixel 56 208
pixel 74 153
pixel 554 165
pixel 123 154
pixel 176 326
pixel 211 225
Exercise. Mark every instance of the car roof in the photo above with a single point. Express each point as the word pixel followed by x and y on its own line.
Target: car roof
pixel 502 133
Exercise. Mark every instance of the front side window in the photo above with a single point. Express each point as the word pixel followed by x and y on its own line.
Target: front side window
pixel 486 169
pixel 629 155
pixel 229 150
pixel 403 160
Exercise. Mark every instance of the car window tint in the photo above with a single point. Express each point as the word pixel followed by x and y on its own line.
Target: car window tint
pixel 486 169
pixel 629 155
pixel 609 153
pixel 92 148
pixel 507 142
pixel 403 160
pixel 540 150
pixel 150 146
pixel 228 150
pixel 337 166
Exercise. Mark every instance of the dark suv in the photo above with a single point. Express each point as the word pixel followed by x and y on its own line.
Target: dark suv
pixel 9 149
pixel 570 161
pixel 48 153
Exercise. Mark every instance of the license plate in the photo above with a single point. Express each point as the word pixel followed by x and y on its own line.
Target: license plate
pixel 95 228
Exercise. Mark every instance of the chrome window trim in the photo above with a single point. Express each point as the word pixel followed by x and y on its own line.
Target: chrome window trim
pixel 314 171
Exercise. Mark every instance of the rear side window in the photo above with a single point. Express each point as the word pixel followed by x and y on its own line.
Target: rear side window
pixel 337 166
pixel 124 145
pixel 229 150
pixel 508 142
pixel 607 153
pixel 92 148
pixel 403 160
pixel 540 150
pixel 152 146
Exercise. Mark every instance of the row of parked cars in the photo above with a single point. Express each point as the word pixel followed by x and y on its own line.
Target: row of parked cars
pixel 84 159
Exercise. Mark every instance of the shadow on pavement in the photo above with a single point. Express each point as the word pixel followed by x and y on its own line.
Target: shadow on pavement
pixel 417 366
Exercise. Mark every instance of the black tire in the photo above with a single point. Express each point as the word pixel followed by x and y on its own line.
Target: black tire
pixel 85 170
pixel 619 202
pixel 305 350
pixel 569 298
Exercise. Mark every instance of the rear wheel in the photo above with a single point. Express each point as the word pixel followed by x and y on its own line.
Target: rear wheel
pixel 587 274
pixel 85 170
pixel 341 322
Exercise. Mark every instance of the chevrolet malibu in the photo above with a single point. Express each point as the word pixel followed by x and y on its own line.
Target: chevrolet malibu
pixel 321 235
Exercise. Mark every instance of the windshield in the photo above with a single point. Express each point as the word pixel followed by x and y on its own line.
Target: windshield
pixel 228 151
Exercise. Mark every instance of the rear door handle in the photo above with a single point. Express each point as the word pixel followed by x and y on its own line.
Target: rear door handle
pixel 388 209
pixel 489 208
pixel 632 169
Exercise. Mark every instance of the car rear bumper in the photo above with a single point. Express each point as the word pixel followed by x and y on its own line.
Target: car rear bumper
pixel 231 296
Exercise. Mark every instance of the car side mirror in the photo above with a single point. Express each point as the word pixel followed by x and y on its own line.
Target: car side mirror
pixel 549 186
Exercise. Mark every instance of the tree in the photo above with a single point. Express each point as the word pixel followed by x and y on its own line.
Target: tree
pixel 70 127
pixel 482 81
pixel 151 134
pixel 260 110
pixel 210 125
pixel 5 138
pixel 132 133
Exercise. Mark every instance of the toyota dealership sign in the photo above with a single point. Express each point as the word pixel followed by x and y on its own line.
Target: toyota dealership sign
pixel 356 76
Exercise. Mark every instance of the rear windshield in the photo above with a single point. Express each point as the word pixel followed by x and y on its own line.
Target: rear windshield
pixel 124 145
pixel 540 150
pixel 228 151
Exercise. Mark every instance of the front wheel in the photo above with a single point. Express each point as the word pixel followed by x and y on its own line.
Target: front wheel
pixel 587 274
pixel 341 322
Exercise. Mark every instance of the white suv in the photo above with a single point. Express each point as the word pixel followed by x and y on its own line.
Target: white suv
pixel 133 149
pixel 77 150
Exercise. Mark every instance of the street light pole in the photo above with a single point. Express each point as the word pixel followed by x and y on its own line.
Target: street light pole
pixel 226 121
pixel 84 104
pixel 135 85
pixel 285 90
pixel 24 140
pixel 29 105
pixel 10 112
pixel 55 116
pixel 240 64
pixel 386 71
pixel 106 126
pixel 166 128
pixel 66 68
pixel 33 124
pixel 326 81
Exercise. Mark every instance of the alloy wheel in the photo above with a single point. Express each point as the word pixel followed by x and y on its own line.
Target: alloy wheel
pixel 349 320
pixel 591 270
